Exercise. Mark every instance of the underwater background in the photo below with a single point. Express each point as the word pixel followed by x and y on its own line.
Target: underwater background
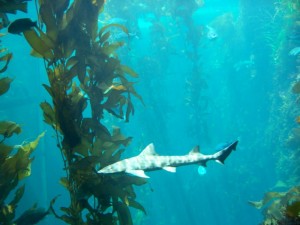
pixel 198 88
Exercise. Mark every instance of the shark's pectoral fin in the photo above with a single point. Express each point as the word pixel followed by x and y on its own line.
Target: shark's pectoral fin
pixel 170 169
pixel 138 173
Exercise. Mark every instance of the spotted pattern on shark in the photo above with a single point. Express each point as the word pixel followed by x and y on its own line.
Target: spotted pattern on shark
pixel 149 160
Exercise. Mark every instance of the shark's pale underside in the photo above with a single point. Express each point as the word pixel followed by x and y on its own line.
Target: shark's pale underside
pixel 149 160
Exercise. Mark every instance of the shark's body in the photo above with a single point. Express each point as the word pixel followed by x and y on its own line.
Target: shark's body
pixel 149 160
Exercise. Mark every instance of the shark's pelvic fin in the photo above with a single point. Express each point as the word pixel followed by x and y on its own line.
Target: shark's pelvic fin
pixel 220 162
pixel 138 173
pixel 195 150
pixel 149 150
pixel 170 169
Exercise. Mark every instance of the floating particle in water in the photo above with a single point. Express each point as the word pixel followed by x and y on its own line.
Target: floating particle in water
pixel 201 170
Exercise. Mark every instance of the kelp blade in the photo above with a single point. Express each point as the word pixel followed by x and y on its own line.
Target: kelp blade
pixel 38 44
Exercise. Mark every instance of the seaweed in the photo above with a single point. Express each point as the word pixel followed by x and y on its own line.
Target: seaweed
pixel 15 166
pixel 280 207
pixel 15 160
pixel 86 79
pixel 283 207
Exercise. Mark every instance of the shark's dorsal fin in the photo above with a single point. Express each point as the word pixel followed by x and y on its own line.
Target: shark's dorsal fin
pixel 195 150
pixel 149 150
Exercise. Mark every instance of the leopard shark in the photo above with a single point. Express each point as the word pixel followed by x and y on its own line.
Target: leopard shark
pixel 149 160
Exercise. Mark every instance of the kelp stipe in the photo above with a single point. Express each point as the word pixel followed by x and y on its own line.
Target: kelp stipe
pixel 85 75
pixel 15 160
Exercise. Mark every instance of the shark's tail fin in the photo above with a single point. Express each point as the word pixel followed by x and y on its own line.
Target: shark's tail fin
pixel 222 155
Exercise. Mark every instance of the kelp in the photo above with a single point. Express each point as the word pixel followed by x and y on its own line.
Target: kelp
pixel 86 79
pixel 4 84
pixel 7 6
pixel 280 207
pixel 11 7
pixel 5 57
pixel 15 164
pixel 15 160
pixel 283 207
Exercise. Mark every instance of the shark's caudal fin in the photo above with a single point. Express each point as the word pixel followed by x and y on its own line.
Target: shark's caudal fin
pixel 222 155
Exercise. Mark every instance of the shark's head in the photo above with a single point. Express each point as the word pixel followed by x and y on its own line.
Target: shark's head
pixel 107 169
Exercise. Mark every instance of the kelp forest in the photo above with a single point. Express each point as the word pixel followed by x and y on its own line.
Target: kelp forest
pixel 283 207
pixel 83 72
pixel 110 77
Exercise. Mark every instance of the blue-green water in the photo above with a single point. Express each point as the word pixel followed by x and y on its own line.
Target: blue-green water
pixel 197 91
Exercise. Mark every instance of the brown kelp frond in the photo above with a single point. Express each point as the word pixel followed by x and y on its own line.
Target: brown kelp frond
pixel 5 84
pixel 280 207
pixel 7 6
pixel 86 78
pixel 15 164
pixel 15 160
pixel 7 57
pixel 12 7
